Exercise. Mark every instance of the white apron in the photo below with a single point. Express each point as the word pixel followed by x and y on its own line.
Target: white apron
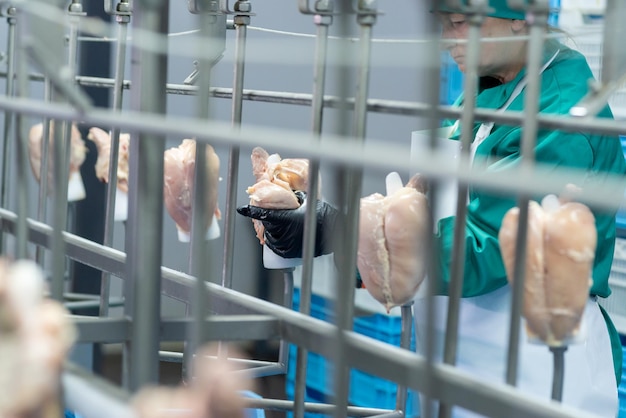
pixel 589 380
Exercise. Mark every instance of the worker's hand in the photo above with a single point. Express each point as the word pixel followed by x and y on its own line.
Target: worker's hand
pixel 284 228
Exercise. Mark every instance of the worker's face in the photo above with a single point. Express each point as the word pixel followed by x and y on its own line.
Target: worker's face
pixel 494 56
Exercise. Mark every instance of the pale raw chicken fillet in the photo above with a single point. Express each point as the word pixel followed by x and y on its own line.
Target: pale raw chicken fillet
pixel 78 150
pixel 36 336
pixel 214 392
pixel 179 169
pixel 561 245
pixel 102 140
pixel 391 248
pixel 276 181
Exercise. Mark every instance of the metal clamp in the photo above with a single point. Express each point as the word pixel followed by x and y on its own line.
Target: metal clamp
pixel 118 7
pixel 76 8
pixel 203 7
pixel 322 7
pixel 241 8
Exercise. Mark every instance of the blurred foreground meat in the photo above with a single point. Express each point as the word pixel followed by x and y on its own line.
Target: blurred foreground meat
pixel 78 151
pixel 391 251
pixel 560 251
pixel 276 181
pixel 35 338
pixel 215 392
pixel 178 183
pixel 102 140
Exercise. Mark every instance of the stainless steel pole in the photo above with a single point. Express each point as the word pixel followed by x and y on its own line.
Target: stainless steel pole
pixel 538 24
pixel 122 17
pixel 144 235
pixel 457 267
pixel 8 116
pixel 323 19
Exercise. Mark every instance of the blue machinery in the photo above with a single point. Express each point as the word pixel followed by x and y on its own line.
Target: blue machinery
pixel 42 48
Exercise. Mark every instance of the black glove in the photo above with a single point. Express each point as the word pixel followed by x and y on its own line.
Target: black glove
pixel 284 228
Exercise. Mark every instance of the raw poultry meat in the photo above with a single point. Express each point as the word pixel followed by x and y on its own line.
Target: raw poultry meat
pixel 391 248
pixel 276 181
pixel 35 337
pixel 179 168
pixel 102 140
pixel 560 250
pixel 215 392
pixel 78 151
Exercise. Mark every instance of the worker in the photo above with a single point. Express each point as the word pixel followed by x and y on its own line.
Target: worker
pixel 592 366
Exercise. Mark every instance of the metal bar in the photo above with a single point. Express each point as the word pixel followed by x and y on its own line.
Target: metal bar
pixel 405 342
pixel 102 330
pixel 230 327
pixel 92 396
pixel 21 146
pixel 109 217
pixel 241 27
pixel 8 116
pixel 43 182
pixel 310 224
pixel 144 237
pixel 457 265
pixel 559 372
pixel 538 24
pixel 352 191
pixel 510 118
pixel 320 408
pixel 93 303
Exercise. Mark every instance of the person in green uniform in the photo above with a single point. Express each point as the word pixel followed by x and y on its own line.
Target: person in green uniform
pixel 593 366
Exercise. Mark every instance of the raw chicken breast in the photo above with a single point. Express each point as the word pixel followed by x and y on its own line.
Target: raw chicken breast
pixel 35 337
pixel 179 168
pixel 392 231
pixel 276 181
pixel 560 250
pixel 102 140
pixel 214 392
pixel 78 150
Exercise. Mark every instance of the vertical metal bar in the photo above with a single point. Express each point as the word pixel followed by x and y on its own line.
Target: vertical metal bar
pixel 43 168
pixel 241 21
pixel 145 235
pixel 8 116
pixel 458 253
pixel 61 155
pixel 433 277
pixel 241 29
pixel 201 258
pixel 538 24
pixel 366 18
pixel 319 77
pixel 21 146
pixel 118 91
pixel 613 54
pixel 405 342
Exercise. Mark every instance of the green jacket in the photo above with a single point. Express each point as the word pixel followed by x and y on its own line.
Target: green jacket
pixel 563 84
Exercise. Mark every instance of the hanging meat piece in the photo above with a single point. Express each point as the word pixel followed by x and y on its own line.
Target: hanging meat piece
pixel 102 140
pixel 560 252
pixel 216 391
pixel 276 181
pixel 392 237
pixel 179 169
pixel 35 337
pixel 78 151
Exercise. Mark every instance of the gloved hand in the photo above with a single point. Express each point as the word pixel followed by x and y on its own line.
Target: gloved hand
pixel 284 228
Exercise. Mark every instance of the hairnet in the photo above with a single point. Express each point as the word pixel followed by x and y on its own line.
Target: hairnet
pixel 499 8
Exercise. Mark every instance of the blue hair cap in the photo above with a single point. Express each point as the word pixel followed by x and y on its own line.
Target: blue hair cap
pixel 499 8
